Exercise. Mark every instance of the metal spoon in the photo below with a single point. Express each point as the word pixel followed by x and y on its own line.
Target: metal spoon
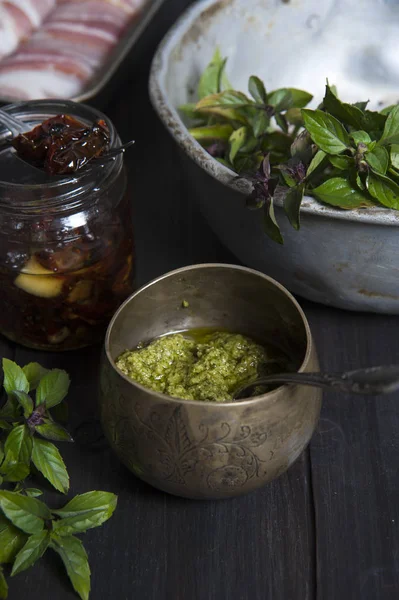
pixel 13 125
pixel 373 381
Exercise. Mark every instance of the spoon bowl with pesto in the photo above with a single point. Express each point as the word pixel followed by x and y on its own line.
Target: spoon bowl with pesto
pixel 176 353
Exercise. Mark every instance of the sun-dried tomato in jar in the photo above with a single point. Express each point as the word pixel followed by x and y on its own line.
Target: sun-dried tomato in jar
pixel 66 250
pixel 62 144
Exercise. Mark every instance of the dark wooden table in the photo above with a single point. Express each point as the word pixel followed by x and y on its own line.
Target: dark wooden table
pixel 326 530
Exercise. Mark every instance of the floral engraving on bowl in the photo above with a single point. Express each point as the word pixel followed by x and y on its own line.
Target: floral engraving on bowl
pixel 229 476
pixel 195 453
pixel 224 459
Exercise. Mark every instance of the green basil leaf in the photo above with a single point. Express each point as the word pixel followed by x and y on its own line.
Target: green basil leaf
pixel 25 513
pixel 395 156
pixel 227 99
pixel 189 111
pixel 234 98
pixel 25 401
pixel 53 388
pixel 378 159
pixel 34 549
pixel 286 98
pixel 300 98
pixel 341 162
pixel 34 372
pixel 19 443
pixel 5 425
pixel 11 540
pixel 1 457
pixel 373 122
pixel 326 132
pixel 277 141
pixel 360 137
pixel 359 182
pixel 53 431
pixel 33 492
pixel 48 461
pixel 74 557
pixel 334 90
pixel 250 146
pixel 237 140
pixel 292 205
pixel 288 178
pixel 270 224
pixel 337 191
pixel 80 523
pixel 14 377
pixel 219 131
pixel 14 471
pixel 390 135
pixel 387 109
pixel 294 116
pixel 11 409
pixel 318 158
pixel 260 123
pixel 81 503
pixel 280 99
pixel 361 105
pixel 383 189
pixel 224 105
pixel 346 113
pixel 247 163
pixel 257 90
pixel 281 122
pixel 3 586
pixel 211 79
pixel 85 511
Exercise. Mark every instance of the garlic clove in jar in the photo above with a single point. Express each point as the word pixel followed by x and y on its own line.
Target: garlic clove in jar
pixel 34 267
pixel 38 281
pixel 81 291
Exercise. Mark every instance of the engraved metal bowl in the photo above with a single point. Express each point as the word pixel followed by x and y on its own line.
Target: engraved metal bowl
pixel 342 258
pixel 204 449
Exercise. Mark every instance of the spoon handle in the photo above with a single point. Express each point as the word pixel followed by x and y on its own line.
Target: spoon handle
pixel 372 381
pixel 13 125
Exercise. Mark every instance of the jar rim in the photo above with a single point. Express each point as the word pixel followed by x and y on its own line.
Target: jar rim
pixel 63 190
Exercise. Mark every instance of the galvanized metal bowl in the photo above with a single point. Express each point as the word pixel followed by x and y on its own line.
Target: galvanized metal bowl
pixel 205 449
pixel 342 258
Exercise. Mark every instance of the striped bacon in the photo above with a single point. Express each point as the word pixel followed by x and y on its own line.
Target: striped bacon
pixel 74 41
pixel 18 18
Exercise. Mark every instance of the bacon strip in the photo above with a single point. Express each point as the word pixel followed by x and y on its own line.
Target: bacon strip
pixel 74 41
pixel 18 18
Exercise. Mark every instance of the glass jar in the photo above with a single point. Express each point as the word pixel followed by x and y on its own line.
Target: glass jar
pixel 66 250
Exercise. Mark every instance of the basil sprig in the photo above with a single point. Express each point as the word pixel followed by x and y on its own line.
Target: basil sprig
pixel 28 527
pixel 342 154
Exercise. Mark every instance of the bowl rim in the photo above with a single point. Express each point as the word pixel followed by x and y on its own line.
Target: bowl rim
pixel 171 119
pixel 269 396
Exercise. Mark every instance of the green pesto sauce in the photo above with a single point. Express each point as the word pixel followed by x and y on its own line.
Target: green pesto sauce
pixel 199 364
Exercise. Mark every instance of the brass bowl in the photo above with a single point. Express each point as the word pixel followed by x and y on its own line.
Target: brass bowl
pixel 202 449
